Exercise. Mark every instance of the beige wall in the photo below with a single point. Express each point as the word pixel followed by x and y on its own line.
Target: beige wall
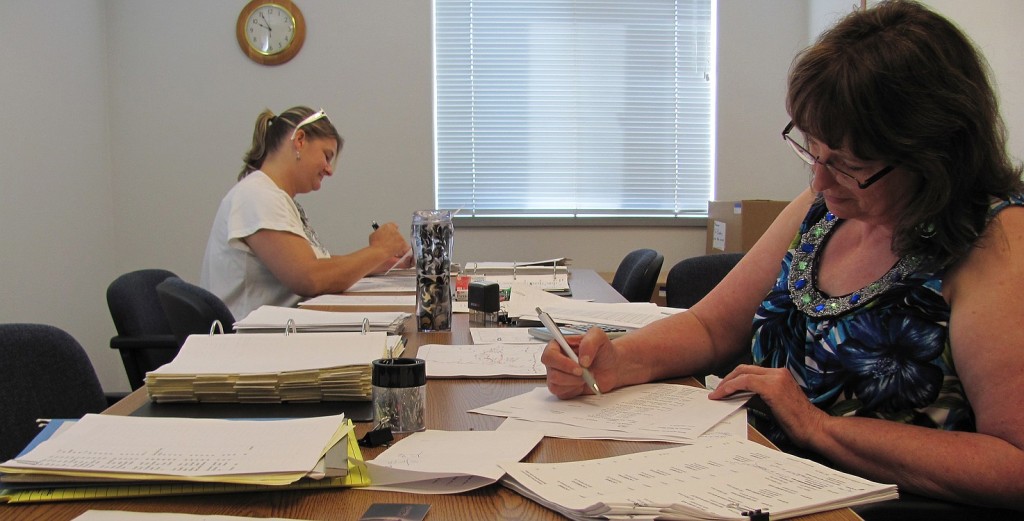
pixel 125 122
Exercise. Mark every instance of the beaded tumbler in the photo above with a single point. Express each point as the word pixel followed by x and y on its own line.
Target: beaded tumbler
pixel 433 236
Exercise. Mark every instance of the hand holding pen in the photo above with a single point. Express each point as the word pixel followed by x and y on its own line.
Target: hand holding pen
pixel 560 339
pixel 401 259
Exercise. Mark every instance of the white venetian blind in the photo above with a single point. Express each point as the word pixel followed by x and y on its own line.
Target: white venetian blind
pixel 574 108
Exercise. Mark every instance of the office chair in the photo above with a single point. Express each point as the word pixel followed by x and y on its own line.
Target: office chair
pixel 191 309
pixel 691 279
pixel 638 274
pixel 144 338
pixel 44 373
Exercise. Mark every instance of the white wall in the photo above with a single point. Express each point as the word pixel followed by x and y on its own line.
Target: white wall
pixel 57 242
pixel 125 124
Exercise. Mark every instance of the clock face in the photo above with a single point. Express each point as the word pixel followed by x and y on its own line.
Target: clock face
pixel 270 29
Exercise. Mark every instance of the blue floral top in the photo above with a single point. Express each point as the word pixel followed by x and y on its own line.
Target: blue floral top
pixel 881 352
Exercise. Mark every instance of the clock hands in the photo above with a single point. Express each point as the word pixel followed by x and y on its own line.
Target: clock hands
pixel 267 26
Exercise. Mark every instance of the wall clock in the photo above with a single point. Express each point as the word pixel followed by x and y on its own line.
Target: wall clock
pixel 270 32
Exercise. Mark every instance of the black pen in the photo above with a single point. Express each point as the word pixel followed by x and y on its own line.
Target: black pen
pixel 374 225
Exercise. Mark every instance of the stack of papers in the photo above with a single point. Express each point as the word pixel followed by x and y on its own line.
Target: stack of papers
pixel 647 412
pixel 276 319
pixel 362 301
pixel 448 462
pixel 385 284
pixel 547 275
pixel 556 265
pixel 116 449
pixel 525 299
pixel 271 368
pixel 719 480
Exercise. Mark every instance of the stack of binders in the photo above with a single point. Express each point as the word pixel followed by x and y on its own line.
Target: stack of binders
pixel 272 368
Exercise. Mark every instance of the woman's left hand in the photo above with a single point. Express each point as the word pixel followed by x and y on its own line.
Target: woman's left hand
pixel 789 405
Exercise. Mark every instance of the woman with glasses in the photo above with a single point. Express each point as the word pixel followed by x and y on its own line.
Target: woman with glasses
pixel 262 249
pixel 889 342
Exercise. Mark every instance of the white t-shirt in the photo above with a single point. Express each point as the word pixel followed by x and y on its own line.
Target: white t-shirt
pixel 230 268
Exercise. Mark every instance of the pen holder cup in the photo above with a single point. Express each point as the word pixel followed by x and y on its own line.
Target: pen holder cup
pixel 433 237
pixel 400 394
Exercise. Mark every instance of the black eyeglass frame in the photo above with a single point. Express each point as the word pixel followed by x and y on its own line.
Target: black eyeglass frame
pixel 807 157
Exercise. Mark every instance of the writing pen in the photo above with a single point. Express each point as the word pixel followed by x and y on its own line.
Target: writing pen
pixel 374 225
pixel 557 334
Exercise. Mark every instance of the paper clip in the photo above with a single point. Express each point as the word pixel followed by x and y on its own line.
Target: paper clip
pixel 217 327
pixel 289 327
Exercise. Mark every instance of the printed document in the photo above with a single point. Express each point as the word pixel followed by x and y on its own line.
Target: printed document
pixel 733 426
pixel 718 480
pixel 447 462
pixel 274 452
pixel 481 360
pixel 663 412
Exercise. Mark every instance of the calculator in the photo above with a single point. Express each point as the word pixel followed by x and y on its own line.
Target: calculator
pixel 542 333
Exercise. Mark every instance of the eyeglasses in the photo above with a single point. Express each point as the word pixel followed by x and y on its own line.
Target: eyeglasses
pixel 314 117
pixel 811 159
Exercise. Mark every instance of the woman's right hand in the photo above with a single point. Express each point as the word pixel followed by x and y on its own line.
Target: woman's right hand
pixel 388 238
pixel 595 351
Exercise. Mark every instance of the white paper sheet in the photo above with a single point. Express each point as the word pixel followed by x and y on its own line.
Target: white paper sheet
pixel 718 480
pixel 502 335
pixel 361 300
pixel 274 353
pixel 447 462
pixel 185 447
pixel 525 300
pixel 733 426
pixel 275 318
pixel 668 412
pixel 389 284
pixel 481 360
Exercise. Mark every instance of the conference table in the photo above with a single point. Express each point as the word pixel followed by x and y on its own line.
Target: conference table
pixel 447 403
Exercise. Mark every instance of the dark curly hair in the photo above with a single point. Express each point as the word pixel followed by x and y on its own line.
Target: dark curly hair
pixel 901 84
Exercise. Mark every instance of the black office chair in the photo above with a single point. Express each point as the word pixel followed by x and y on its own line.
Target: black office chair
pixel 44 373
pixel 144 338
pixel 691 279
pixel 638 274
pixel 191 309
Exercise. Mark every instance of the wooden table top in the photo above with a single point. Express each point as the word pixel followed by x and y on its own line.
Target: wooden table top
pixel 447 403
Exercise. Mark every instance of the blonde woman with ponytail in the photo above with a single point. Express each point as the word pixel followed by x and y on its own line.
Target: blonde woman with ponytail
pixel 262 249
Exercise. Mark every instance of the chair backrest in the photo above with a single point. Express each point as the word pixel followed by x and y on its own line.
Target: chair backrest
pixel 638 274
pixel 191 309
pixel 144 338
pixel 134 305
pixel 690 279
pixel 44 373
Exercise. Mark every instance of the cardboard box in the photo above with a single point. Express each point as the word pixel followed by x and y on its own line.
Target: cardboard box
pixel 734 226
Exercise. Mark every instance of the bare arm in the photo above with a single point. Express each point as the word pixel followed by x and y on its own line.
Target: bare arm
pixel 293 262
pixel 715 330
pixel 984 467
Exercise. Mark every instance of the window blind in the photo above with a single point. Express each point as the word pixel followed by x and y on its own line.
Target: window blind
pixel 574 108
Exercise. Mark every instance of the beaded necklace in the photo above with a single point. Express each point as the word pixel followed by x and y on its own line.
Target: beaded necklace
pixel 803 274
